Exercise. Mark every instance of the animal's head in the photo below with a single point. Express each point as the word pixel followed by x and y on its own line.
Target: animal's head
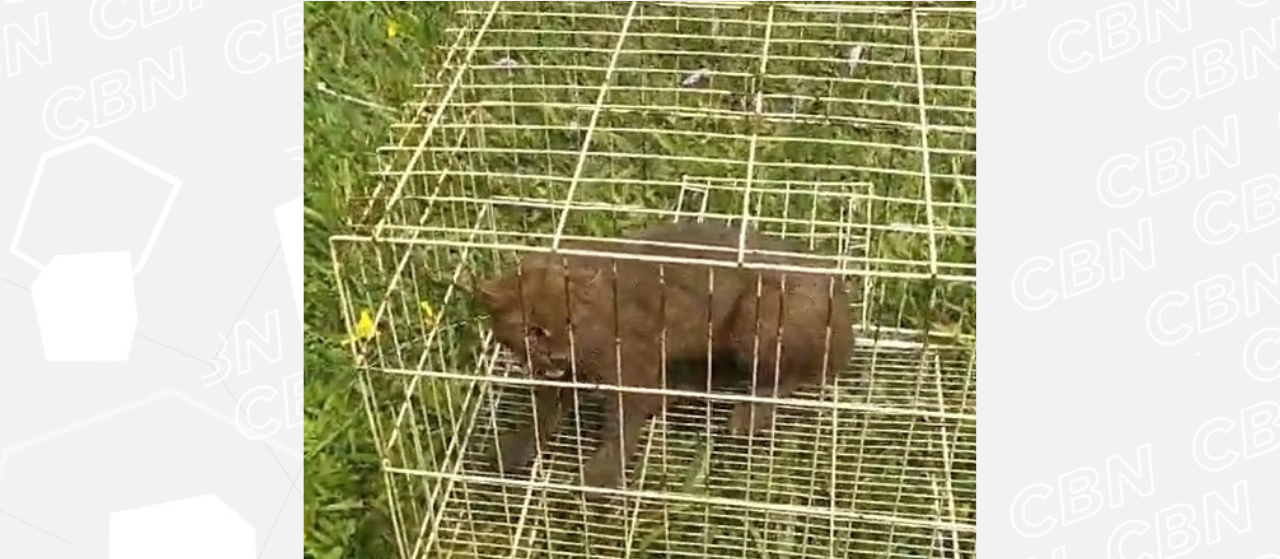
pixel 530 311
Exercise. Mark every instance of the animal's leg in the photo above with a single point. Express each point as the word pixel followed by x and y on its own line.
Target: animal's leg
pixel 517 448
pixel 772 371
pixel 755 417
pixel 626 415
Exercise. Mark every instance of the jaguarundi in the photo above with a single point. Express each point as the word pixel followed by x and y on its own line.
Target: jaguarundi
pixel 698 305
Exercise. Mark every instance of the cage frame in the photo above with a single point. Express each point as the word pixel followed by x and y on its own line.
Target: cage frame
pixel 375 221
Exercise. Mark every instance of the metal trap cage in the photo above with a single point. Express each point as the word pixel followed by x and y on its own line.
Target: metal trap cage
pixel 849 128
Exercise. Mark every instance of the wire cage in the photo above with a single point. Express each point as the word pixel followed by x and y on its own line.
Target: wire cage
pixel 848 128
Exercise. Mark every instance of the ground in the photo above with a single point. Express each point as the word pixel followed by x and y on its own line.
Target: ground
pixel 362 61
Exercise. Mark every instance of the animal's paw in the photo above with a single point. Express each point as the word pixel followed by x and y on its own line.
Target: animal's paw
pixel 742 422
pixel 513 452
pixel 602 472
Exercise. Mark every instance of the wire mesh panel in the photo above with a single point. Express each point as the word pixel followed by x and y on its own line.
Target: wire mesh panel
pixel 846 130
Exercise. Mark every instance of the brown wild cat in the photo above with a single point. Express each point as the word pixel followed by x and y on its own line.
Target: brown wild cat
pixel 531 311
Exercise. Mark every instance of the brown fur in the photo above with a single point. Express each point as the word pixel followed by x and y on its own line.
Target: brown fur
pixel 531 315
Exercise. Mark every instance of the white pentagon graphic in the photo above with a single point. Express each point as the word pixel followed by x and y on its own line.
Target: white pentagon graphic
pixel 199 528
pixel 86 307
pixel 52 159
pixel 289 221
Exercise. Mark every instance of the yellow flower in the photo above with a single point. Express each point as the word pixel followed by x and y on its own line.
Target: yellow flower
pixel 393 29
pixel 364 328
pixel 428 313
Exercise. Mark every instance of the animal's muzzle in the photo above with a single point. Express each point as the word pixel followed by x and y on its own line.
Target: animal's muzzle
pixel 561 364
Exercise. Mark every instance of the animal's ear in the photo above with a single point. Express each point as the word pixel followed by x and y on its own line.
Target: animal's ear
pixel 540 263
pixel 493 293
pixel 588 276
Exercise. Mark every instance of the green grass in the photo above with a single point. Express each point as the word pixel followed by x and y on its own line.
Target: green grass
pixel 348 48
